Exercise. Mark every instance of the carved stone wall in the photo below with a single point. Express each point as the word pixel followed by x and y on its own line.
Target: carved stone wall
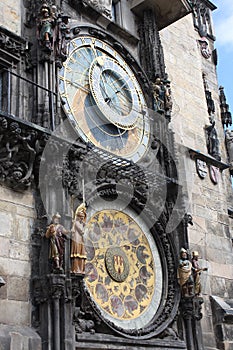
pixel 208 202
pixel 11 15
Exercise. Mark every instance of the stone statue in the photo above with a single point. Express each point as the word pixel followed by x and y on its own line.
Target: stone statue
pixel 229 144
pixel 159 95
pixel 57 235
pixel 78 252
pixel 162 97
pixel 212 141
pixel 205 51
pixel 63 36
pixel 167 100
pixel 46 24
pixel 184 273
pixel 196 273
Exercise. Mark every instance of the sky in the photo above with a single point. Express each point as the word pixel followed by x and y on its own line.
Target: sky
pixel 223 24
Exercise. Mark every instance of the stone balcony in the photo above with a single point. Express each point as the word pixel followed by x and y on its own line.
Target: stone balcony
pixel 167 11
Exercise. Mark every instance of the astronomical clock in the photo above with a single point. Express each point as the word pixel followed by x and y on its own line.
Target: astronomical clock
pixel 128 264
pixel 103 99
pixel 124 273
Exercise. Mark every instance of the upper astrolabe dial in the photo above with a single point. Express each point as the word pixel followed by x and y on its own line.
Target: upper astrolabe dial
pixel 103 99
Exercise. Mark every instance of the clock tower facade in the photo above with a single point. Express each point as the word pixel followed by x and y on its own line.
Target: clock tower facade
pixel 115 171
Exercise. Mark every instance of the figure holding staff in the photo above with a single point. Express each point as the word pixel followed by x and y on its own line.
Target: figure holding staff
pixel 78 252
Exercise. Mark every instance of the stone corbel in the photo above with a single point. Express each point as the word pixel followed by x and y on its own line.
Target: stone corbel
pixel 195 154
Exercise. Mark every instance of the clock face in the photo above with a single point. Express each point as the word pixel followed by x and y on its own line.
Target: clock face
pixel 103 99
pixel 123 269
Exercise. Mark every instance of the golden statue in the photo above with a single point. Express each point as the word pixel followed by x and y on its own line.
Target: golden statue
pixel 184 273
pixel 78 252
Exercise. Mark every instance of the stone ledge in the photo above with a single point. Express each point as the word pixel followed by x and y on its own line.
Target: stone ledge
pixel 195 154
pixel 95 342
pixel 17 338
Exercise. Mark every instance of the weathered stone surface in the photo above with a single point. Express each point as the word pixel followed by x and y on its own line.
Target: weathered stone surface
pixel 18 250
pixel 19 199
pixel 14 312
pixel 229 286
pixel 10 267
pixel 10 18
pixel 223 218
pixel 6 224
pixel 223 270
pixel 4 246
pixel 23 228
pixel 215 228
pixel 209 339
pixel 16 337
pixel 218 286
pixel 18 288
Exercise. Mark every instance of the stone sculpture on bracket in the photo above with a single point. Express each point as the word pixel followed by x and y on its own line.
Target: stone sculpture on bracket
pixel 184 273
pixel 212 141
pixel 208 95
pixel 46 25
pixel 196 269
pixel 202 17
pixel 229 144
pixel 224 107
pixel 162 96
pixel 53 32
pixel 78 252
pixel 63 36
pixel 56 233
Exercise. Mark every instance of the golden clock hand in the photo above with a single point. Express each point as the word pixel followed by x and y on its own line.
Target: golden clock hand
pixel 77 85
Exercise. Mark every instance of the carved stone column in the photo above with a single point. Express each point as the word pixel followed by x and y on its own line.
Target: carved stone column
pixel 190 308
pixel 57 287
pixel 151 51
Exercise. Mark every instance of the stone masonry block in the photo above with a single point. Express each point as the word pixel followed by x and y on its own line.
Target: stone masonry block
pixel 18 288
pixel 223 218
pixel 19 250
pixel 14 312
pixel 4 246
pixel 6 224
pixel 23 228
pixel 13 337
pixel 218 286
pixel 10 267
pixel 24 199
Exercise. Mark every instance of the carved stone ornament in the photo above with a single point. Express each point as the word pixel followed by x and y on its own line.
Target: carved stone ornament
pixel 202 17
pixel 201 167
pixel 214 174
pixel 229 144
pixel 225 113
pixel 208 95
pixel 12 47
pixel 103 6
pixel 205 51
pixel 20 149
